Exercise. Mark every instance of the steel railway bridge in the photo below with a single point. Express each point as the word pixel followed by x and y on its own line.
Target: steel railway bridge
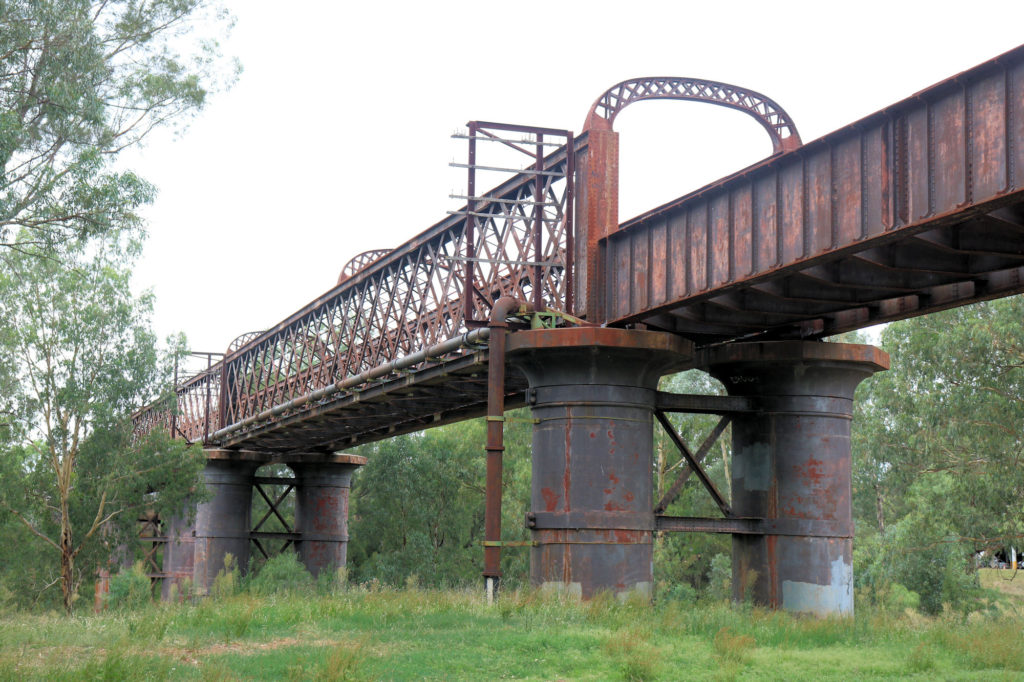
pixel 533 294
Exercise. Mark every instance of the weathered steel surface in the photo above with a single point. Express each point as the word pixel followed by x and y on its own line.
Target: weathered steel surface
pixel 912 209
pixel 179 556
pixel 763 109
pixel 593 391
pixel 223 522
pixel 791 468
pixel 321 511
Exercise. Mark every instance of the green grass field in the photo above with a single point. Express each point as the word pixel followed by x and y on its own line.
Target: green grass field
pixel 411 634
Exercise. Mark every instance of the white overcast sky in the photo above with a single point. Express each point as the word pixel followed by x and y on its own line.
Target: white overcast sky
pixel 335 140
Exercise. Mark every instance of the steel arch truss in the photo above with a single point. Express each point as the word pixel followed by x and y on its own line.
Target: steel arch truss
pixel 772 117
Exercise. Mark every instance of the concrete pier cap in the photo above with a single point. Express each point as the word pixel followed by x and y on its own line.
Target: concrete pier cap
pixel 791 467
pixel 592 394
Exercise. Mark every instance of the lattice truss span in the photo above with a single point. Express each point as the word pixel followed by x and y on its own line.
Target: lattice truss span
pixel 402 301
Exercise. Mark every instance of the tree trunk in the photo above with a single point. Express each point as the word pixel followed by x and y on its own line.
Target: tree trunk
pixel 879 513
pixel 67 559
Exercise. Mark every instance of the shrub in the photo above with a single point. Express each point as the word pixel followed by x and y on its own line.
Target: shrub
pixel 720 578
pixel 281 574
pixel 130 589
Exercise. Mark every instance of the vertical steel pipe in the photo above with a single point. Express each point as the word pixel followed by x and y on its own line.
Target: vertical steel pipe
pixel 321 510
pixel 791 467
pixel 495 441
pixel 592 394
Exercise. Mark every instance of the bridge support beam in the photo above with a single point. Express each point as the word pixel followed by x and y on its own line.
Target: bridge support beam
pixel 592 392
pixel 791 467
pixel 223 522
pixel 321 510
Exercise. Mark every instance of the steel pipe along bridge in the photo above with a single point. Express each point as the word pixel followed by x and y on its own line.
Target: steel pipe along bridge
pixel 532 293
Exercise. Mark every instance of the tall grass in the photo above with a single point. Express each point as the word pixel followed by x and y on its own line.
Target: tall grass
pixel 377 632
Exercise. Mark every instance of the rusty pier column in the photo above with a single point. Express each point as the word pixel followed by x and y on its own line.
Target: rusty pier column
pixel 592 393
pixel 224 521
pixel 791 467
pixel 179 556
pixel 321 510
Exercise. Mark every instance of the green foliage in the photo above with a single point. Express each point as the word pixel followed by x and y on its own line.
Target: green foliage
pixel 228 581
pixel 720 578
pixel 85 359
pixel 79 82
pixel 281 574
pixel 418 506
pixel 937 441
pixel 685 558
pixel 130 589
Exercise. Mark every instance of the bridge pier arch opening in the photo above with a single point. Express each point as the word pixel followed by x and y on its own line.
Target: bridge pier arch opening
pixel 791 470
pixel 592 395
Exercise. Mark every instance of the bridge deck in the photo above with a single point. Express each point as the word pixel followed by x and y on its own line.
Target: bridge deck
pixel 916 208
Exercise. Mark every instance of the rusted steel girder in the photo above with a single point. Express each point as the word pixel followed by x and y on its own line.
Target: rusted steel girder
pixel 916 208
pixel 592 394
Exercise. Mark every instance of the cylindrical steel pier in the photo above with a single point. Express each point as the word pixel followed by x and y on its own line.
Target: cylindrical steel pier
pixel 223 522
pixel 321 510
pixel 791 467
pixel 592 392
pixel 179 556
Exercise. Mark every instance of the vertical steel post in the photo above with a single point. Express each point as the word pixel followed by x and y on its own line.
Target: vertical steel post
pixel 538 224
pixel 791 467
pixel 570 228
pixel 467 287
pixel 495 442
pixel 597 192
pixel 209 395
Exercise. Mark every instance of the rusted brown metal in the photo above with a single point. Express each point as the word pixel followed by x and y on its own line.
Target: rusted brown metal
pixel 592 394
pixel 763 109
pixel 321 511
pixel 791 468
pixel 693 464
pixel 503 307
pixel 360 262
pixel 916 208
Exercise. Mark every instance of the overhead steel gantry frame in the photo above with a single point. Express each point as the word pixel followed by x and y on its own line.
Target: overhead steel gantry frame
pixel 913 209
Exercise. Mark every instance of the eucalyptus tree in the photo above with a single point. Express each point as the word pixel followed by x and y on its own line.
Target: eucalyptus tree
pixel 938 447
pixel 80 81
pixel 85 359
